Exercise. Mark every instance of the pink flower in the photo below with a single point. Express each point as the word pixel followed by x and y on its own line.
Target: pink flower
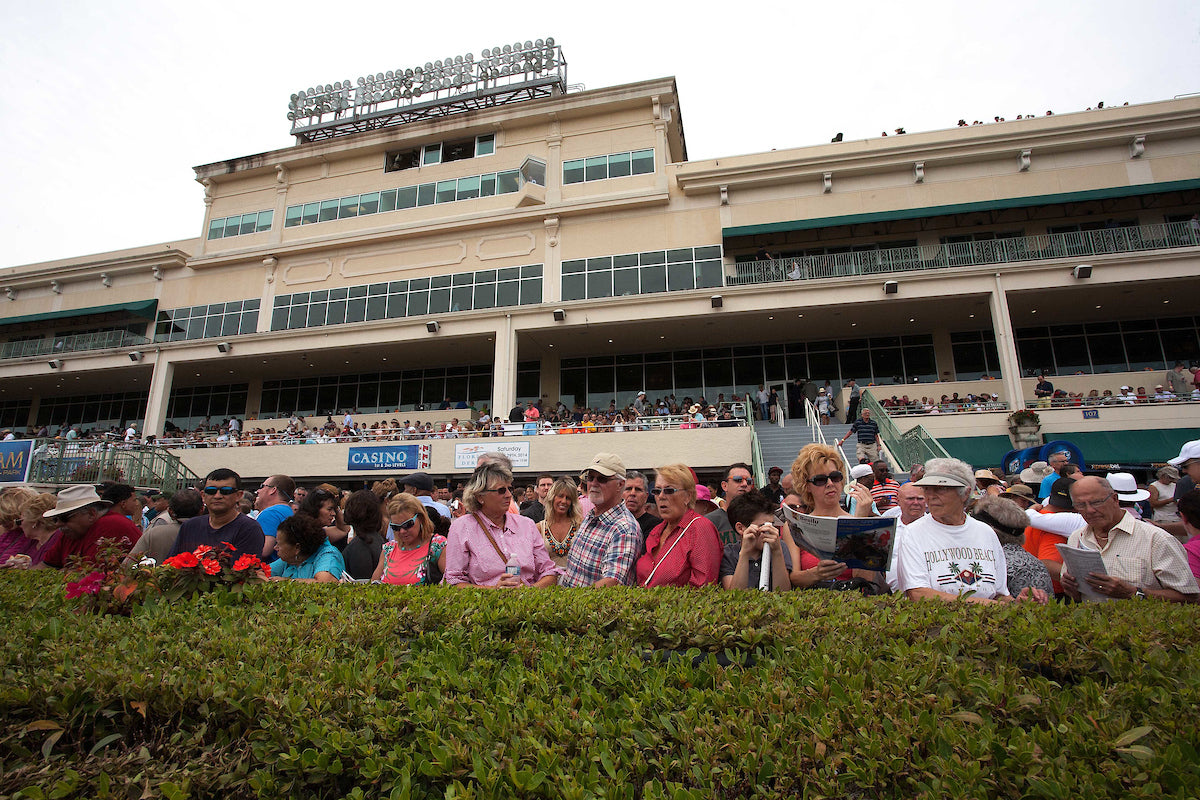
pixel 88 585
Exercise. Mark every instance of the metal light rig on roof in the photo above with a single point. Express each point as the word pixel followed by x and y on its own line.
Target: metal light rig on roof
pixel 505 74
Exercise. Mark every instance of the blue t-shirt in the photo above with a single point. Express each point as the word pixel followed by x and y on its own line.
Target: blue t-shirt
pixel 326 559
pixel 1047 484
pixel 268 519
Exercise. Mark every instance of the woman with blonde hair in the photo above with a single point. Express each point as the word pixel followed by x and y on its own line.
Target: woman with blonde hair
pixel 40 533
pixel 12 538
pixel 684 549
pixel 564 515
pixel 417 557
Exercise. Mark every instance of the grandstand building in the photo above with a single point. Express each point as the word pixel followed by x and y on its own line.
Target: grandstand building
pixel 509 243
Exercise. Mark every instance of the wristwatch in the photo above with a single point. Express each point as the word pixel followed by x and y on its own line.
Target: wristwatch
pixel 1139 595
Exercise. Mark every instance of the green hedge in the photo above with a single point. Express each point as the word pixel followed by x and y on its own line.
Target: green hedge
pixel 317 691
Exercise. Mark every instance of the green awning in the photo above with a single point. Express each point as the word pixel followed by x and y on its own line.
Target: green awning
pixel 980 452
pixel 146 309
pixel 1130 447
pixel 962 208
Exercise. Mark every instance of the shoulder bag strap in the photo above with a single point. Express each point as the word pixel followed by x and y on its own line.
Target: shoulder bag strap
pixel 483 526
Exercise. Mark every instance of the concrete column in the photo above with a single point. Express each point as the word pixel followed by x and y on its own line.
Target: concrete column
pixel 160 394
pixel 550 380
pixel 504 369
pixel 35 405
pixel 1006 345
pixel 551 262
pixel 281 190
pixel 267 306
pixel 253 398
pixel 943 355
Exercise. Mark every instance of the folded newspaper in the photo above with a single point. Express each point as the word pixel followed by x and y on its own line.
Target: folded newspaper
pixel 859 543
pixel 1080 561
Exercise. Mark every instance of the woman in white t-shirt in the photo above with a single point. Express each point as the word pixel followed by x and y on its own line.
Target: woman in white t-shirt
pixel 1162 495
pixel 948 555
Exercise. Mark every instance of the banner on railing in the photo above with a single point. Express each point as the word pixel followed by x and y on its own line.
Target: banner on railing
pixel 15 458
pixel 389 456
pixel 465 455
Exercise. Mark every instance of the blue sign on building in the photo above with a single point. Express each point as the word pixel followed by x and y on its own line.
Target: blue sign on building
pixel 1091 413
pixel 14 461
pixel 385 456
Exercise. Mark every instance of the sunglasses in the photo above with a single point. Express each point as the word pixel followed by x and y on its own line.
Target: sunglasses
pixel 224 491
pixel 498 490
pixel 664 490
pixel 821 480
pixel 403 526
pixel 737 478
pixel 594 477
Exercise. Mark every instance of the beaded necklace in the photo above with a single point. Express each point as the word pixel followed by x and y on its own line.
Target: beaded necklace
pixel 556 547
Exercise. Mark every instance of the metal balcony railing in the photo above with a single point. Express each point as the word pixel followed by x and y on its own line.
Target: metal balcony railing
pixel 64 462
pixel 914 446
pixel 72 344
pixel 960 254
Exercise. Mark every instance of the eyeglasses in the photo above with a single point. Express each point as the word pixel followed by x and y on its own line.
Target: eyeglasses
pixel 594 477
pixel 664 490
pixel 498 490
pixel 403 526
pixel 738 478
pixel 224 491
pixel 821 480
pixel 1085 505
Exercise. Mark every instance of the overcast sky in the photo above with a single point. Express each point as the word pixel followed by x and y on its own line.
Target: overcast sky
pixel 106 107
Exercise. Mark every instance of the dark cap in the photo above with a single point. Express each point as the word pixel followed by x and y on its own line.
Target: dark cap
pixel 417 480
pixel 1060 494
pixel 773 470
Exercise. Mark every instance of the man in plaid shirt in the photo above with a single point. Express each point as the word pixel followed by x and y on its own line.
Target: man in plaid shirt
pixel 607 543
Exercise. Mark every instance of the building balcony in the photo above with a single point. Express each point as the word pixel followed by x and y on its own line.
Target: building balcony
pixel 1017 249
pixel 59 345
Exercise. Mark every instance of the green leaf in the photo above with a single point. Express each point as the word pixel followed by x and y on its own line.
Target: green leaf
pixel 1138 751
pixel 1132 735
pixel 48 745
pixel 103 743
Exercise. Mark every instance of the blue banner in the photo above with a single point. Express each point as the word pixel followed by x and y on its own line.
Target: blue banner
pixel 385 456
pixel 14 461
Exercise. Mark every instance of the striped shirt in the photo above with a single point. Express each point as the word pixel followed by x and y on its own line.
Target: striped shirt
pixel 1142 554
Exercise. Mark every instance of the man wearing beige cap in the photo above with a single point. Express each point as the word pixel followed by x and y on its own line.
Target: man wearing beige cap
pixel 83 519
pixel 609 539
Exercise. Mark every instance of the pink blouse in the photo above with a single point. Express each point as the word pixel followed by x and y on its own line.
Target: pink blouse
pixel 470 557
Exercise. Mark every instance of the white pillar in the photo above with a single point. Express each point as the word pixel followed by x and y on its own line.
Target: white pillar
pixel 1006 345
pixel 160 394
pixel 504 369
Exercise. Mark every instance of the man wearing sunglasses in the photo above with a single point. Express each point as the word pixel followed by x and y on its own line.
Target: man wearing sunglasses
pixel 739 480
pixel 224 522
pixel 609 539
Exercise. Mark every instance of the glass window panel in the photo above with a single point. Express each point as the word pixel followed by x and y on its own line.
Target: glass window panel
pixel 298 317
pixel 264 220
pixel 376 289
pixel 575 265
pixel 602 263
pixel 747 372
pixel 920 362
pixel 689 377
pixel 377 307
pixel 468 188
pixel 326 400
pixel 230 323
pixel 356 309
pixel 389 395
pixel 311 213
pixel 406 197
pixel 596 168
pixel 460 298
pixel 216 228
pixel 1037 354
pixel 618 165
pixel 319 297
pixel 418 303
pixel 446 191
pixel 534 171
pixel 574 287
pixel 1180 345
pixel 347 396
pixel 485 145
pixel 329 210
pixel 440 282
pixel 336 313
pixel 432 154
pixel 600 381
pixel 249 322
pixel 625 282
pixel 887 365
pixel 718 372
pixel 508 293
pixel 508 274
pixel 531 291
pixel 531 271
pixel 463 279
pixel 507 182
pixel 485 295
pixel 340 293
pixel 630 260
pixel 680 276
pixel 654 279
pixel 1108 353
pixel 679 255
pixel 712 251
pixel 249 223
pixel 709 274
pixel 233 226
pixel 1071 354
pixel 485 276
pixel 357 291
pixel 279 319
pixel 419 283
pixel 426 194
pixel 397 305
pixel 643 162
pixel 368 203
pixel 387 201
pixel 292 218
pixel 573 171
pixel 824 366
pixel 599 284
pixel 439 301
pixel 487 185
pixel 397 287
pixel 1143 350
pixel 653 257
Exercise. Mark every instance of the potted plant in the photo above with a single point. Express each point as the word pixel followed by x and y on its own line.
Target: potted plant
pixel 1024 428
pixel 1024 418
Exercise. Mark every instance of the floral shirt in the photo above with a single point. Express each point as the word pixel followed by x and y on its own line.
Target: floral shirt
pixel 407 567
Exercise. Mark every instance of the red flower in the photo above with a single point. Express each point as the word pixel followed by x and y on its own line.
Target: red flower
pixel 202 550
pixel 266 569
pixel 211 566
pixel 183 561
pixel 246 561
pixel 88 585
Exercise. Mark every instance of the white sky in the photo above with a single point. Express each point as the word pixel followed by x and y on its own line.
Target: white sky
pixel 106 107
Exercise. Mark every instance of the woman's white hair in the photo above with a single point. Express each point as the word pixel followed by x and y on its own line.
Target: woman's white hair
pixel 960 470
pixel 484 476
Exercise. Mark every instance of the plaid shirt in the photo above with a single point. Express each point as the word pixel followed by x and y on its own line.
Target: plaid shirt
pixel 606 546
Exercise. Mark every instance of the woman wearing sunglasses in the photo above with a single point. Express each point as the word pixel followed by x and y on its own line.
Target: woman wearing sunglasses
pixel 417 557
pixel 818 479
pixel 684 549
pixel 491 546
